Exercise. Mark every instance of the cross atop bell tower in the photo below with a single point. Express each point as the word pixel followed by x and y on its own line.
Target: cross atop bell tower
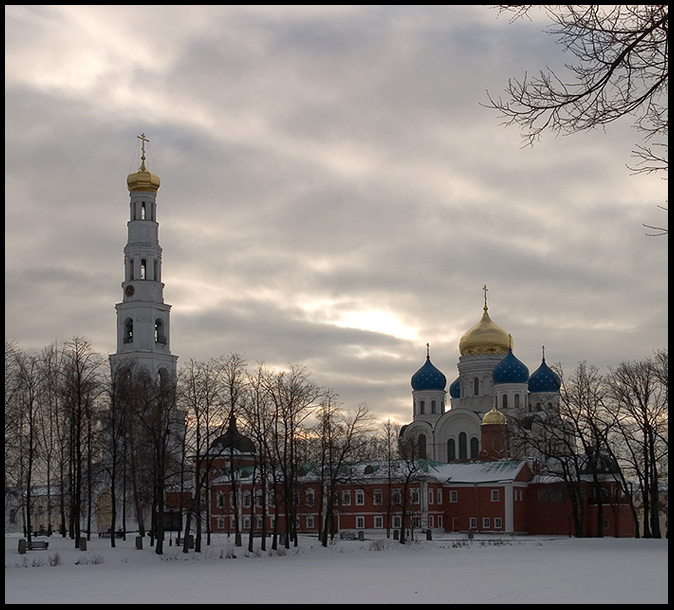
pixel 143 139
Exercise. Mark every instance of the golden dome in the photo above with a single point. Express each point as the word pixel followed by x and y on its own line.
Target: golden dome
pixel 494 417
pixel 485 337
pixel 143 179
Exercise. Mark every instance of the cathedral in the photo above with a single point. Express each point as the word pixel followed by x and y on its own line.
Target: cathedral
pixel 493 386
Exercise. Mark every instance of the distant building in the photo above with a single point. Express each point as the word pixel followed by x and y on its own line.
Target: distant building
pixel 487 496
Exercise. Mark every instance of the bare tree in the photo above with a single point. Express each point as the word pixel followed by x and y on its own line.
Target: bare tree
pixel 387 451
pixel 233 372
pixel 13 426
pixel 259 416
pixel 51 430
pixel 27 403
pixel 621 70
pixel 408 471
pixel 294 397
pixel 155 431
pixel 200 386
pixel 82 386
pixel 557 439
pixel 341 437
pixel 639 393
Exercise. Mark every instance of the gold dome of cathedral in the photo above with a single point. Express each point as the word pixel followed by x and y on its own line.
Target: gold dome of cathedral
pixel 486 337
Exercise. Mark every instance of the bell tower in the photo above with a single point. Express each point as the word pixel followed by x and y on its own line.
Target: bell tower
pixel 143 322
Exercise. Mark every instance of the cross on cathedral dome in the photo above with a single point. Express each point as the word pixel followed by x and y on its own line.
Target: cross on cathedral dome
pixel 486 337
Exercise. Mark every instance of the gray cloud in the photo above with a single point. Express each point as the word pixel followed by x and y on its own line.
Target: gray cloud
pixel 322 168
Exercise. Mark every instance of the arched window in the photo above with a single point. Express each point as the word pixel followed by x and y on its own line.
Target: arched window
pixel 128 330
pixel 142 211
pixel 143 265
pixel 421 406
pixel 476 387
pixel 155 270
pixel 504 402
pixel 550 406
pixel 538 406
pixel 463 446
pixel 432 406
pixel 451 450
pixel 130 268
pixel 517 401
pixel 159 336
pixel 474 448
pixel 163 378
pixel 422 445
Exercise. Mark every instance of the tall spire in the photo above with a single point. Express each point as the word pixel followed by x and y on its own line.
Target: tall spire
pixel 143 320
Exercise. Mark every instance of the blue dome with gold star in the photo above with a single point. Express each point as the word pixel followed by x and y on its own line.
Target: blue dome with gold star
pixel 544 379
pixel 455 388
pixel 510 370
pixel 428 377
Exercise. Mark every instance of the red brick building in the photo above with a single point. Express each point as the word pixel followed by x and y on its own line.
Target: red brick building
pixel 487 496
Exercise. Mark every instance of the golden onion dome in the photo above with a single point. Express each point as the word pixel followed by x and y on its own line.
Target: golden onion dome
pixel 486 337
pixel 494 417
pixel 143 179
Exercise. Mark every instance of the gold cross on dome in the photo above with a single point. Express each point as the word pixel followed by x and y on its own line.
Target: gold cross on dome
pixel 485 296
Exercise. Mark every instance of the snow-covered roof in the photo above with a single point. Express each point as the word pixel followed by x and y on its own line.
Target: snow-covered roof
pixel 478 472
pixel 428 470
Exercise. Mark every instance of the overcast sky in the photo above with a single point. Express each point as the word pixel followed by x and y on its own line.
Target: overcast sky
pixel 332 192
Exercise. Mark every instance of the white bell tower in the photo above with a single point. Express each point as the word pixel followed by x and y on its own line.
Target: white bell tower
pixel 143 322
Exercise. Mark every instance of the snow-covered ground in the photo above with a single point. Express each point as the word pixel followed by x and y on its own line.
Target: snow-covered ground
pixel 448 569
